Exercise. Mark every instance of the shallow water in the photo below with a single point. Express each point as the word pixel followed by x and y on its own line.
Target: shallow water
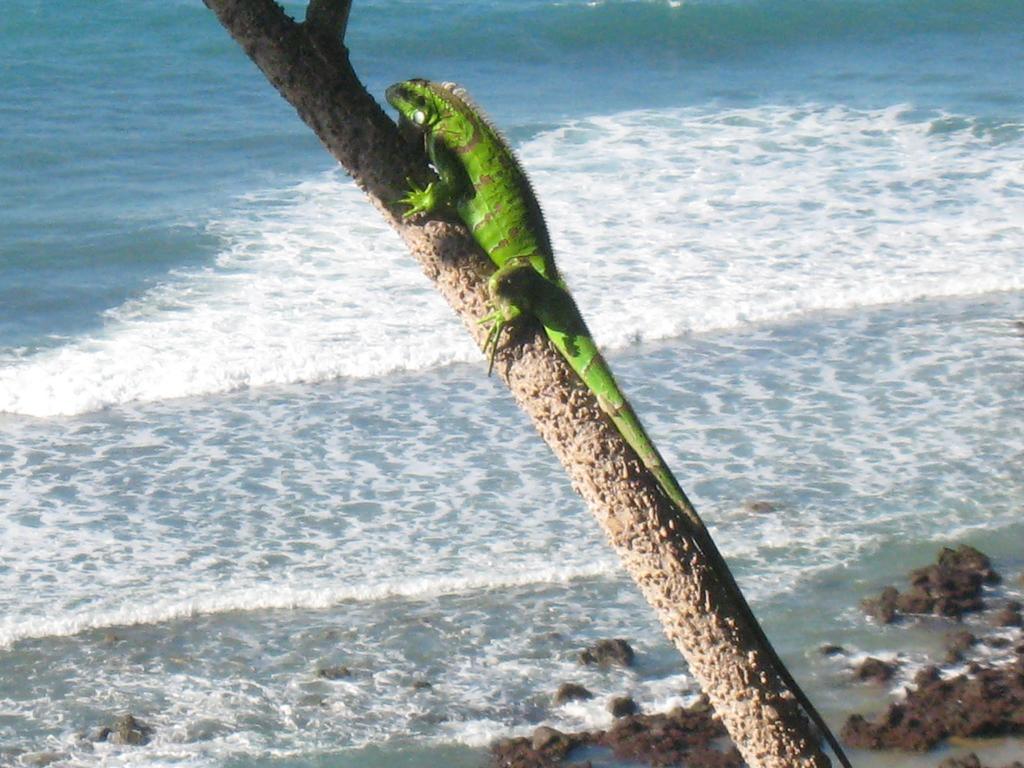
pixel 247 540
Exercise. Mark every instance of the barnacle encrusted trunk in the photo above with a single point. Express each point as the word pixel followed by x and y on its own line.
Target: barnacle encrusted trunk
pixel 308 64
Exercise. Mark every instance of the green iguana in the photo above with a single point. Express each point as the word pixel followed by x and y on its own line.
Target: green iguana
pixel 480 177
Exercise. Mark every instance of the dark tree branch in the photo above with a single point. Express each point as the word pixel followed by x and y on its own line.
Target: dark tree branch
pixel 329 17
pixel 312 71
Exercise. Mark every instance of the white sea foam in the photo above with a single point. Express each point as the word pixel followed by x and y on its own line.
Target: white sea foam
pixel 711 221
pixel 666 223
pixel 264 597
pixel 310 286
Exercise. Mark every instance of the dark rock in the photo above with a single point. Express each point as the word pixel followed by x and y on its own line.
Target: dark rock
pixel 125 730
pixel 681 737
pixel 421 685
pixel 968 761
pixel 690 737
pixel 338 672
pixel 622 706
pixel 972 761
pixel 571 692
pixel 547 739
pixel 831 650
pixel 951 587
pixel 957 643
pixel 604 653
pixel 990 703
pixel 700 707
pixel 998 642
pixel 759 507
pixel 927 675
pixel 875 670
pixel 547 748
pixel 882 608
pixel 1008 616
pixel 967 558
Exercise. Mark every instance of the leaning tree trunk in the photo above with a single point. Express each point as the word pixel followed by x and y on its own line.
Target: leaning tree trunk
pixel 308 63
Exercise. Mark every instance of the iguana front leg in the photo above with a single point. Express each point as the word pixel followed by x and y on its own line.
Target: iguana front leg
pixel 452 185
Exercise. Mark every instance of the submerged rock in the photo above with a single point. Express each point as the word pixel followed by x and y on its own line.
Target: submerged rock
pixel 126 729
pixel 604 653
pixel 571 692
pixel 339 672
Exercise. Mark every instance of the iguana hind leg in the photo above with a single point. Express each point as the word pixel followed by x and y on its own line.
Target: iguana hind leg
pixel 511 296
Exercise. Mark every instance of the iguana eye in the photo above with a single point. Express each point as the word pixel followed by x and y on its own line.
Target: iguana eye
pixel 419 117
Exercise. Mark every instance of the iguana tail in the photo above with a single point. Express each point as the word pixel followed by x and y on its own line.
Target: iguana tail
pixel 525 290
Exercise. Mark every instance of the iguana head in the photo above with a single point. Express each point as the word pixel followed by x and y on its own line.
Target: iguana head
pixel 443 110
pixel 418 102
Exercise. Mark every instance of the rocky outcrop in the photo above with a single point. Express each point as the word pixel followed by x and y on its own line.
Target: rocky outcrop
pixel 972 761
pixel 546 748
pixel 685 736
pixel 989 702
pixel 951 587
pixel 680 737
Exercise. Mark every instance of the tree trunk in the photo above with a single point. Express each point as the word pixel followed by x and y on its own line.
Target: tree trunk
pixel 309 65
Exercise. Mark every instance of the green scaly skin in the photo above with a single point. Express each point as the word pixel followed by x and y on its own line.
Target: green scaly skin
pixel 480 177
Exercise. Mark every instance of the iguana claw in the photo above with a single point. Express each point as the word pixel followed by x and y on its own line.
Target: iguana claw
pixel 419 199
pixel 497 320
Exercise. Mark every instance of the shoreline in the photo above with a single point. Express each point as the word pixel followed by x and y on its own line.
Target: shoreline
pixel 964 701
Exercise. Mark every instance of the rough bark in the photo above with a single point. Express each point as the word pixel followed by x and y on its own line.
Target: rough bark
pixel 309 66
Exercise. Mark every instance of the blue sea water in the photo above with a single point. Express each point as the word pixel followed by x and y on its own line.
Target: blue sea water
pixel 242 439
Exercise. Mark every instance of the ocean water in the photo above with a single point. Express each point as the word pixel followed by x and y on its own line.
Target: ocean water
pixel 242 439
